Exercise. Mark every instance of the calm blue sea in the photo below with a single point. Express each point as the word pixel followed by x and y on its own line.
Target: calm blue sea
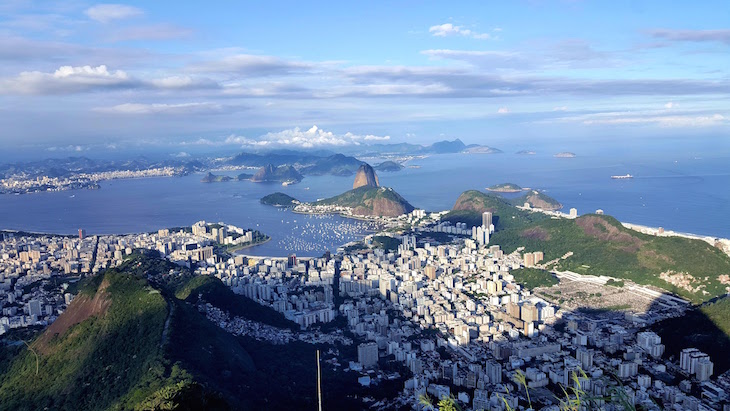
pixel 682 189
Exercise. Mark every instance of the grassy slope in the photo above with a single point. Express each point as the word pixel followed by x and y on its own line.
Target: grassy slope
pixel 104 362
pixel 601 246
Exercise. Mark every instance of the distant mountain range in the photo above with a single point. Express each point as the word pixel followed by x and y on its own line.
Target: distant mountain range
pixel 306 162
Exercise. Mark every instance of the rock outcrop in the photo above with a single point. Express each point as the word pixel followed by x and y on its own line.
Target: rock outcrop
pixel 365 177
pixel 280 174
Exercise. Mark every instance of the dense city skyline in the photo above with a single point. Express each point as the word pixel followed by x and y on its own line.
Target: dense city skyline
pixel 87 75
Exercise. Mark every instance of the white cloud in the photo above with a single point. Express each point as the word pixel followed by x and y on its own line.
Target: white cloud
pixel 313 137
pixel 184 108
pixel 667 121
pixel 560 108
pixel 656 118
pixel 181 154
pixel 448 29
pixel 503 110
pixel 671 105
pixel 65 80
pixel 251 64
pixel 72 147
pixel 182 82
pixel 104 13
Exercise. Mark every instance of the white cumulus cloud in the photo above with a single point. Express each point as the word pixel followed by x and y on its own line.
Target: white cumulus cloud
pixel 104 13
pixel 503 110
pixel 310 138
pixel 67 79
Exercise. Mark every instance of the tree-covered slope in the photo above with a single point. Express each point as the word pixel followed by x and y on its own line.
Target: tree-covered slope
pixel 537 199
pixel 279 200
pixel 602 246
pixel 104 352
pixel 127 342
pixel 471 204
pixel 367 200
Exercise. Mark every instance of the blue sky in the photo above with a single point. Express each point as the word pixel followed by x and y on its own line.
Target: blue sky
pixel 187 75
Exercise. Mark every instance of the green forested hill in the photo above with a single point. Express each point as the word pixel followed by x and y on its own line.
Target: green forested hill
pixel 133 339
pixel 471 204
pixel 367 200
pixel 602 246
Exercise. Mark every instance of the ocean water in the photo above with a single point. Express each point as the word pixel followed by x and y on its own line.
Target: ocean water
pixel 681 190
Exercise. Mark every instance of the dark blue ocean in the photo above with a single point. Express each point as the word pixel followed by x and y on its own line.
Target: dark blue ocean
pixel 683 187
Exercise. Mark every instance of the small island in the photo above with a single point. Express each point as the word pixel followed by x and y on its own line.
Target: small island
pixel 389 166
pixel 212 178
pixel 279 200
pixel 564 154
pixel 477 149
pixel 505 188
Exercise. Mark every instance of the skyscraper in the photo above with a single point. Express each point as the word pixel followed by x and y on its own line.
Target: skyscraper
pixel 367 354
pixel 82 233
pixel 486 219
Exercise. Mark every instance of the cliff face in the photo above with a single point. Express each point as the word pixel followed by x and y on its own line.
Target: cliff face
pixel 384 205
pixel 365 177
pixel 265 173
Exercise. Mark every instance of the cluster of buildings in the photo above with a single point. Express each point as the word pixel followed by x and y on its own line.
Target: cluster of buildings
pixel 455 318
pixel 28 266
pixel 37 270
pixel 451 316
pixel 22 183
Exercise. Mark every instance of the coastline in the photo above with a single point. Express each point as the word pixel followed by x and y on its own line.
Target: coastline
pixel 243 247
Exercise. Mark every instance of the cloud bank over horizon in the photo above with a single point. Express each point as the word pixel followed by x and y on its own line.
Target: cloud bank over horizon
pixel 75 75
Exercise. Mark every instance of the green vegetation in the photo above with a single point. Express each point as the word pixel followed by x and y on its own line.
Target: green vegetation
pixel 389 166
pixel 279 200
pixel 385 242
pixel 534 277
pixel 537 199
pixel 133 340
pixel 212 290
pixel 367 200
pixel 706 328
pixel 602 246
pixel 104 353
pixel 615 283
pixel 471 204
pixel 505 188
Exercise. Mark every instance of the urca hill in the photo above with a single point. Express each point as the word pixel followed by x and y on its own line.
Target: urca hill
pixel 368 198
